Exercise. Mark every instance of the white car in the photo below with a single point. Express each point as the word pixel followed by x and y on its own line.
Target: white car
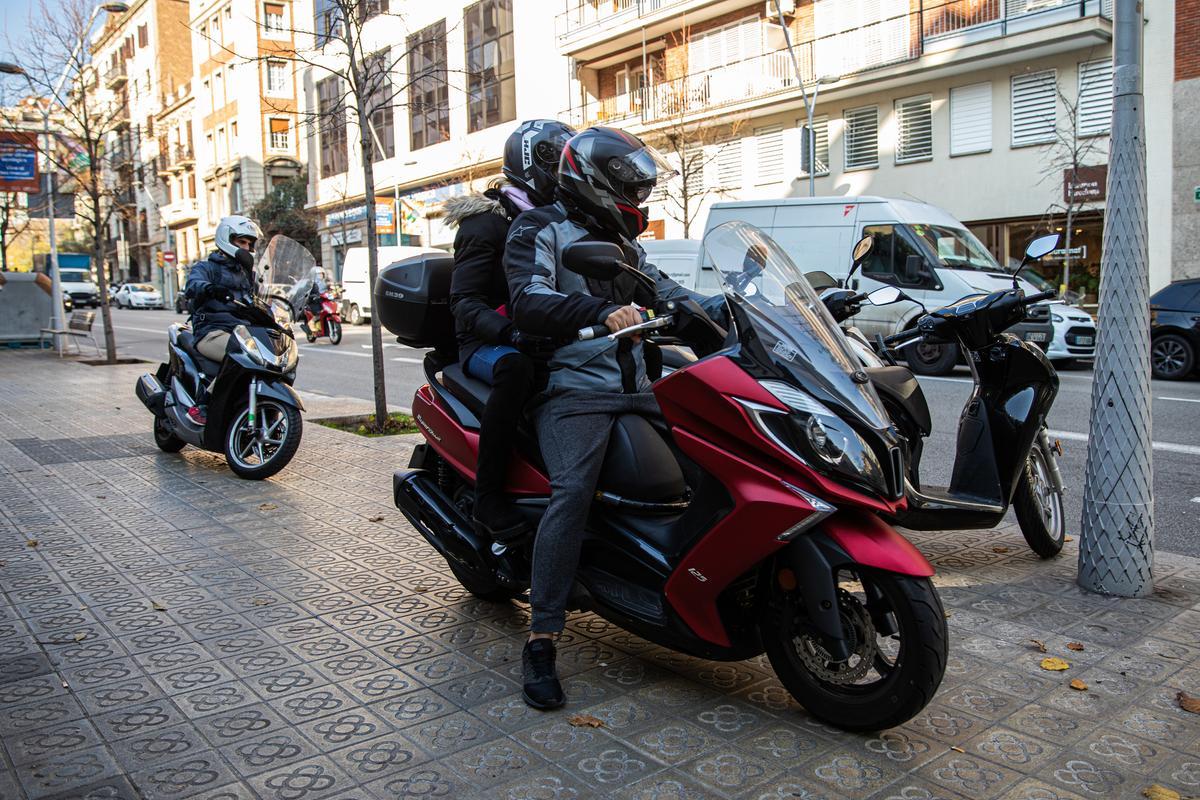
pixel 138 295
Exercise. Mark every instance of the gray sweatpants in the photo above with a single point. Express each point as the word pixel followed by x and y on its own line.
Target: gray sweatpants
pixel 572 429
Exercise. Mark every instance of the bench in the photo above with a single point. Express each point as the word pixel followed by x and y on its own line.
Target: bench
pixel 78 326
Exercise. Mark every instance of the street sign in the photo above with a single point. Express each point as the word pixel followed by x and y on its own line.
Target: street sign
pixel 18 162
pixel 168 257
pixel 1088 184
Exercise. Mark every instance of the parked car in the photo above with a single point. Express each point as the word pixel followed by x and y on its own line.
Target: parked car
pixel 1175 329
pixel 138 295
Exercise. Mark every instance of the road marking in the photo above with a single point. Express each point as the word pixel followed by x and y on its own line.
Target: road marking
pixel 1164 447
pixel 142 330
pixel 1179 399
pixel 388 344
pixel 409 360
pixel 313 348
pixel 1196 499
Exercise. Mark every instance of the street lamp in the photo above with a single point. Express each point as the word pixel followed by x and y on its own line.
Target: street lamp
pixel 810 104
pixel 56 300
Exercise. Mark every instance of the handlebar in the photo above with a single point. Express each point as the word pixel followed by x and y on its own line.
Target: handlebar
pixel 592 332
pixel 1040 296
pixel 654 323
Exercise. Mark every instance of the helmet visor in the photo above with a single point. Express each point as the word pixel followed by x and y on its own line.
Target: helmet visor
pixel 548 151
pixel 636 173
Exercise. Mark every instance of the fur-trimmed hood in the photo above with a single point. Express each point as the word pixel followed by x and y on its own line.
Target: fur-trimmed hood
pixel 459 208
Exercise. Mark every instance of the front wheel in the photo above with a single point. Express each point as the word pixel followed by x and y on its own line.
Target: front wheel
pixel 1038 504
pixel 334 329
pixel 355 317
pixel 895 628
pixel 259 451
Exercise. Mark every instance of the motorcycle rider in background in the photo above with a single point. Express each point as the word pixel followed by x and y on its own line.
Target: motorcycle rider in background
pixel 491 348
pixel 212 286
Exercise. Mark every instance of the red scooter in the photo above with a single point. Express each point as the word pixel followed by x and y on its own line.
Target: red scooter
pixel 750 519
pixel 328 322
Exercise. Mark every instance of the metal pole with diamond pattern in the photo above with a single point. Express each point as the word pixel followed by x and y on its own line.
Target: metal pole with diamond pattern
pixel 1116 548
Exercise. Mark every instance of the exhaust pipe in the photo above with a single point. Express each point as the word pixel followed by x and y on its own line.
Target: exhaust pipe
pixel 427 508
pixel 151 393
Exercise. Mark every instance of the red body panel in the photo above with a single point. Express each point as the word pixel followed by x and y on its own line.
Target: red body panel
pixel 873 543
pixel 460 446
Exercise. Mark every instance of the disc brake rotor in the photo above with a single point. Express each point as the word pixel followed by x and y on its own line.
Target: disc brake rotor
pixel 860 640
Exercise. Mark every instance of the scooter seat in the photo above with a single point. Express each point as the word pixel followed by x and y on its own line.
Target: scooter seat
pixel 473 393
pixel 187 341
pixel 898 384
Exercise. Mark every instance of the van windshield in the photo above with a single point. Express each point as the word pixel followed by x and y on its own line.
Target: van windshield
pixel 74 276
pixel 954 247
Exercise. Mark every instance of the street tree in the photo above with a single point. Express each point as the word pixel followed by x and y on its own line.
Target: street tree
pixel 283 210
pixel 14 221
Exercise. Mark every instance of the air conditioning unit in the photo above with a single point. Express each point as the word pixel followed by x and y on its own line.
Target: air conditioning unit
pixel 788 7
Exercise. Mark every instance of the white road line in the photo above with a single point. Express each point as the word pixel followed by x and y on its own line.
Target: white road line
pixel 312 348
pixel 1180 399
pixel 410 360
pixel 142 330
pixel 1196 499
pixel 1164 447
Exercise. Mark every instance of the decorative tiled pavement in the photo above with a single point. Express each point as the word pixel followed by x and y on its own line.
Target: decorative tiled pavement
pixel 176 632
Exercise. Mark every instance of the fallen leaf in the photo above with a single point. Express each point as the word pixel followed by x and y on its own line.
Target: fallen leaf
pixel 1076 646
pixel 999 549
pixel 158 607
pixel 1054 664
pixel 375 519
pixel 79 637
pixel 1079 685
pixel 1039 645
pixel 585 721
pixel 101 497
pixel 946 614
pixel 958 749
pixel 1158 792
pixel 31 543
pixel 1068 538
pixel 267 507
pixel 263 601
pixel 1188 703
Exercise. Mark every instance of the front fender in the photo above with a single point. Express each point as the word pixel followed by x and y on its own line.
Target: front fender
pixel 281 392
pixel 869 541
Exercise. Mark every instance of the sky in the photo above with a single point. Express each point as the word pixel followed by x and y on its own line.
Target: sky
pixel 14 17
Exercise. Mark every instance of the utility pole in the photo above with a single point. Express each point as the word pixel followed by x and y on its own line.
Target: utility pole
pixel 1116 548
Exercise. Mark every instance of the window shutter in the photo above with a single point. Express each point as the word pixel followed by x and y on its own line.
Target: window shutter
pixel 971 119
pixel 1094 111
pixel 1034 107
pixel 769 148
pixel 862 137
pixel 729 165
pixel 694 164
pixel 914 129
pixel 279 126
pixel 821 127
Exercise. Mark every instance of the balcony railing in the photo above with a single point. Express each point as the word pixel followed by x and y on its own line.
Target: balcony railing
pixel 999 17
pixel 179 211
pixel 115 75
pixel 583 15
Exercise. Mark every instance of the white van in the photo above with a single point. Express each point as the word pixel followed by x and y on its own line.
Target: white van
pixel 356 281
pixel 79 285
pixel 919 248
pixel 675 258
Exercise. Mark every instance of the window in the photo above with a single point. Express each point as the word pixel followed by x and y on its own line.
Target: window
pixel 379 105
pixel 218 89
pixel 222 145
pixel 273 22
pixel 491 86
pixel 971 119
pixel 821 129
pixel 235 195
pixel 1094 111
pixel 693 163
pixel 888 260
pixel 233 136
pixel 281 133
pixel 862 137
pixel 332 110
pixel 143 35
pixel 914 129
pixel 277 78
pixel 1034 107
pixel 429 94
pixel 729 165
pixel 372 8
pixel 768 145
pixel 327 20
pixel 212 201
pixel 212 101
pixel 725 45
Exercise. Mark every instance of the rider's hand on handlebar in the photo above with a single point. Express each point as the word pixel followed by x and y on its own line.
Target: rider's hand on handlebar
pixel 623 317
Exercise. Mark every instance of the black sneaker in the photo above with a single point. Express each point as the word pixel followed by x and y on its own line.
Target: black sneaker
pixel 542 689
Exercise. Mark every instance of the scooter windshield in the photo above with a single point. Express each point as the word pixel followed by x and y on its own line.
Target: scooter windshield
pixel 284 271
pixel 783 326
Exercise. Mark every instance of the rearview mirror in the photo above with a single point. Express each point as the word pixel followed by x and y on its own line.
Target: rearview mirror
pixel 1041 246
pixel 884 295
pixel 598 260
pixel 863 248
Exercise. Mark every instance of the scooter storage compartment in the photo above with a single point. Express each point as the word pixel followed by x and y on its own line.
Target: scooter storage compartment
pixel 412 298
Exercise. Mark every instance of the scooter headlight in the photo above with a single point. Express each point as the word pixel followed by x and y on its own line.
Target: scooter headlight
pixel 290 356
pixel 250 345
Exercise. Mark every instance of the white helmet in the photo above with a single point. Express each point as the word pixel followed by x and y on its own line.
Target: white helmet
pixel 232 227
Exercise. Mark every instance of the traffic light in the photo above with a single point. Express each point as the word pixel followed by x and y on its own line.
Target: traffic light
pixel 158 257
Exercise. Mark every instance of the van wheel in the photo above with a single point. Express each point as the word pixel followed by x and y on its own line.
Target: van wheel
pixel 931 359
pixel 355 316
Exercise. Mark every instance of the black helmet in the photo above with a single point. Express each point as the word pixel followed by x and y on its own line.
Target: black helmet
pixel 607 174
pixel 531 157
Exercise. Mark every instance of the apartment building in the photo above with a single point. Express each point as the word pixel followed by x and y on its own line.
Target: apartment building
pixel 244 106
pixel 179 210
pixel 463 74
pixel 961 103
pixel 142 56
pixel 1185 228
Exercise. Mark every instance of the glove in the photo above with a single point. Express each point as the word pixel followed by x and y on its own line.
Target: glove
pixel 529 344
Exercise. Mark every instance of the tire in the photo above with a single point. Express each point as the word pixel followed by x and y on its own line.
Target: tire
pixel 355 316
pixel 1171 357
pixel 334 328
pixel 482 586
pixel 312 337
pixel 931 359
pixel 1039 508
pixel 912 677
pixel 239 450
pixel 166 441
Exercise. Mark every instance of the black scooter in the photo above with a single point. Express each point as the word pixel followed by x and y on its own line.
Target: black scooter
pixel 1004 454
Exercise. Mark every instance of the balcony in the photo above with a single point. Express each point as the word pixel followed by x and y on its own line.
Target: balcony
pixel 947 26
pixel 180 212
pixel 115 76
pixel 589 27
pixel 182 156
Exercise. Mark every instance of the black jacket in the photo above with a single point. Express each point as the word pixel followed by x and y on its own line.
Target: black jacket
pixel 207 282
pixel 478 285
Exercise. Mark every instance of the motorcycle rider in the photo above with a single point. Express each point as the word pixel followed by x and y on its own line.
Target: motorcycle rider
pixel 212 286
pixel 312 303
pixel 491 348
pixel 604 176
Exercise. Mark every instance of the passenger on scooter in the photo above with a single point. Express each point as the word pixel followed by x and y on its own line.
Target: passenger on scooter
pixel 491 349
pixel 604 177
pixel 212 286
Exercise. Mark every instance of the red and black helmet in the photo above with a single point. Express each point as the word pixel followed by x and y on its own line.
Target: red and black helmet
pixel 607 174
pixel 531 157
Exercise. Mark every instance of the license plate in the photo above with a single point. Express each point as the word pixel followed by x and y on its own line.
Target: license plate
pixel 1035 336
pixel 1082 340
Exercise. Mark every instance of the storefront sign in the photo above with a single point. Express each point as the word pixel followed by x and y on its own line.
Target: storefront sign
pixel 18 162
pixel 385 217
pixel 1076 253
pixel 1088 184
pixel 346 216
pixel 339 238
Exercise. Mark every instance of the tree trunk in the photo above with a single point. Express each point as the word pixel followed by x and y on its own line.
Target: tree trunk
pixel 364 129
pixel 1067 253
pixel 110 344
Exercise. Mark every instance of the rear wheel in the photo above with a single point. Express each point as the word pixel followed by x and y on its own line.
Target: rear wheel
pixel 1171 357
pixel 166 441
pixel 889 677
pixel 931 359
pixel 1039 505
pixel 334 328
pixel 259 451
pixel 355 317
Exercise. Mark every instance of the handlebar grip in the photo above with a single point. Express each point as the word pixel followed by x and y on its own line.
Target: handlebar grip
pixel 900 337
pixel 593 332
pixel 1040 296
